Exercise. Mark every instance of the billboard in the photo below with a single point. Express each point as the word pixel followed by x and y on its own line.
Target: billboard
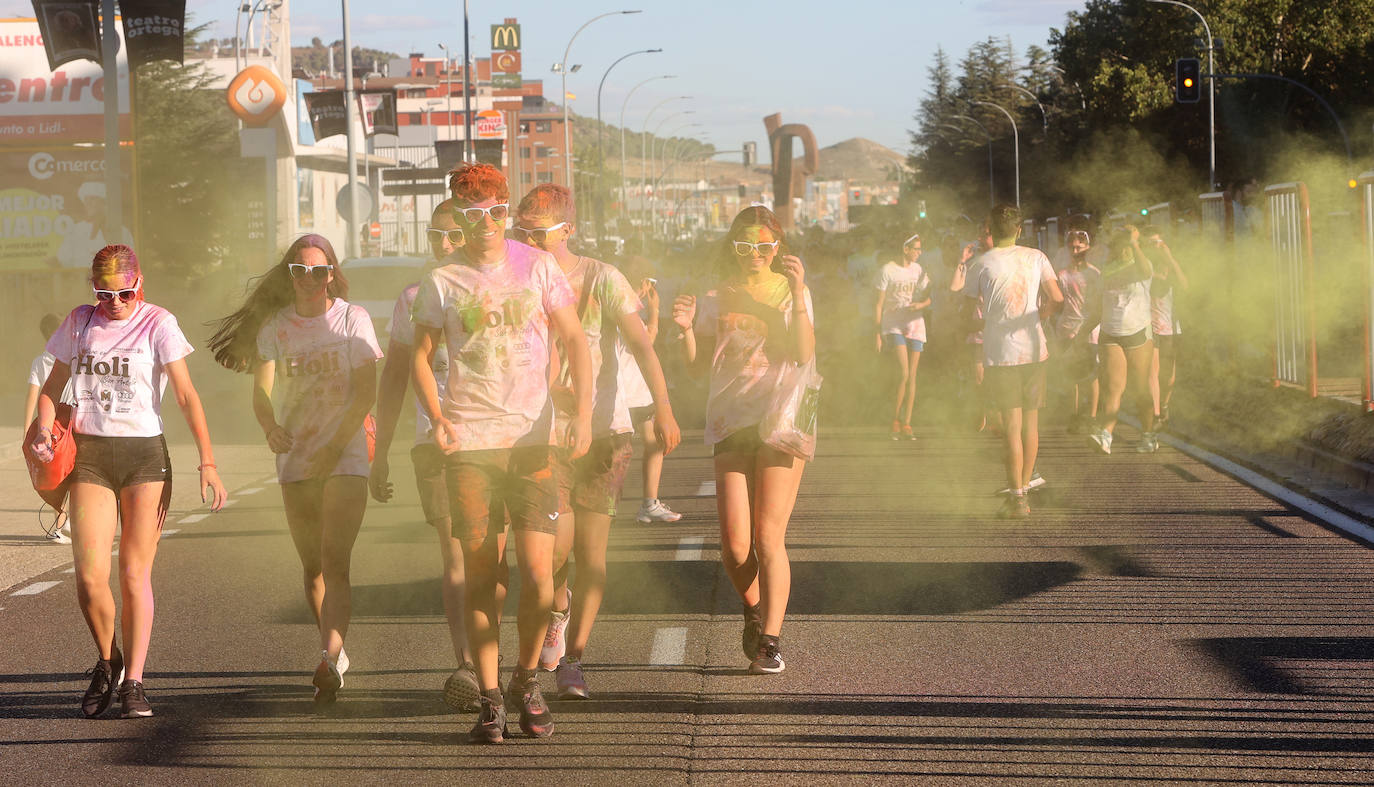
pixel 52 207
pixel 41 105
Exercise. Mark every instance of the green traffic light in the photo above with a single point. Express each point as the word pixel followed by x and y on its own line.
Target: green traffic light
pixel 1144 211
pixel 923 214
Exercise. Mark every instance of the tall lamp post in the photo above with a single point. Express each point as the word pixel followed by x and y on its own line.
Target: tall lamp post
pixel 624 192
pixel 351 144
pixel 648 164
pixel 600 152
pixel 1044 118
pixel 992 188
pixel 671 138
pixel 563 70
pixel 1211 93
pixel 448 95
pixel 1015 143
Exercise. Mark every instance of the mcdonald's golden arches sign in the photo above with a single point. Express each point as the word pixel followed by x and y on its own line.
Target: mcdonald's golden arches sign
pixel 505 37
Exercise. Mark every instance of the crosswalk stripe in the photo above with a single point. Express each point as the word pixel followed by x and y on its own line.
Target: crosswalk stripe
pixel 670 646
pixel 36 588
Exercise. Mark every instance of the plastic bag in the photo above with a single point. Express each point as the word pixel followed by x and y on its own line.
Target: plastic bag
pixel 789 424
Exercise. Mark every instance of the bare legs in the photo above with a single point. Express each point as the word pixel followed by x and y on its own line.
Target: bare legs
pixel 755 493
pixel 452 589
pixel 1122 368
pixel 95 516
pixel 324 517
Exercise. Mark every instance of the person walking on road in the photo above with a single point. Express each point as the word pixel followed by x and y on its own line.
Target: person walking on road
pixel 899 317
pixel 1076 330
pixel 762 319
pixel 1008 282
pixel 590 487
pixel 493 308
pixel 640 400
pixel 1127 348
pixel 318 353
pixel 461 691
pixel 1164 324
pixel 119 355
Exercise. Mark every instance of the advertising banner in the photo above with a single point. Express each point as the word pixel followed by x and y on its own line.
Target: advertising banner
pixel 71 30
pixel 328 113
pixel 379 112
pixel 40 104
pixel 52 207
pixel 154 30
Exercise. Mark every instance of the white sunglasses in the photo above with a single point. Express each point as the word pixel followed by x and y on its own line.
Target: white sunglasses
pixel 542 233
pixel 744 248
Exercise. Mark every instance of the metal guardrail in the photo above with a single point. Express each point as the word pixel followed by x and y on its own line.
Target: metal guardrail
pixel 1288 220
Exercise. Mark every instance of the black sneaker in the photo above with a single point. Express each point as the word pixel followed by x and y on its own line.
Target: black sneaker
pixel 535 719
pixel 768 660
pixel 461 692
pixel 105 676
pixel 133 703
pixel 753 627
pixel 327 682
pixel 491 719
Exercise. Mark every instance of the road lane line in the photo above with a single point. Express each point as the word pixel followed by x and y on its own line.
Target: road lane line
pixel 71 570
pixel 670 646
pixel 252 490
pixel 707 489
pixel 689 548
pixel 192 519
pixel 39 587
pixel 1278 491
pixel 171 532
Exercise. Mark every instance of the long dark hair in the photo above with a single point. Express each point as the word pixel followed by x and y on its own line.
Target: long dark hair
pixel 235 342
pixel 752 216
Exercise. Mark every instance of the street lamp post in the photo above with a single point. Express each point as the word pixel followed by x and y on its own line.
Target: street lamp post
pixel 351 154
pixel 563 69
pixel 648 165
pixel 1015 143
pixel 600 152
pixel 992 188
pixel 1044 118
pixel 1211 93
pixel 624 192
pixel 644 152
pixel 670 140
pixel 448 95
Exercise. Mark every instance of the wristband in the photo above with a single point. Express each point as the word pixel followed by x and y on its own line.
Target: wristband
pixel 207 464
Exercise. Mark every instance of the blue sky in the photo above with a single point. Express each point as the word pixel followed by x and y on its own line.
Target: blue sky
pixel 848 69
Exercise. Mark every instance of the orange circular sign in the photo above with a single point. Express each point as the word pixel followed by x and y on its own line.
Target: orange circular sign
pixel 256 95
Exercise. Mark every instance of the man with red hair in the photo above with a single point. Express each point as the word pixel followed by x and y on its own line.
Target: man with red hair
pixel 492 307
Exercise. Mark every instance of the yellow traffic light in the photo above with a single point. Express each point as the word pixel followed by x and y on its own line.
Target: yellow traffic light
pixel 1352 183
pixel 1188 82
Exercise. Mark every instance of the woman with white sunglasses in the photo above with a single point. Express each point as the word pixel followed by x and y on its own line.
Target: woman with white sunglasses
pixel 300 337
pixel 119 355
pixel 761 317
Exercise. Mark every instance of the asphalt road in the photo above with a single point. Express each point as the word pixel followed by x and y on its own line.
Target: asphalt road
pixel 1155 620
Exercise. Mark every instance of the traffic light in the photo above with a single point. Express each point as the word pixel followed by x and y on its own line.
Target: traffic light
pixel 751 155
pixel 920 209
pixel 1144 211
pixel 1188 80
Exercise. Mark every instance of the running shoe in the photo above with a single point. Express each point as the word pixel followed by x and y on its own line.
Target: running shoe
pixel 343 662
pixel 555 645
pixel 768 659
pixel 461 691
pixel 133 703
pixel 655 511
pixel 571 684
pixel 491 719
pixel 59 537
pixel 327 681
pixel 1102 439
pixel 1015 507
pixel 1149 443
pixel 753 628
pixel 1162 420
pixel 535 719
pixel 907 434
pixel 105 676
pixel 896 433
pixel 1036 481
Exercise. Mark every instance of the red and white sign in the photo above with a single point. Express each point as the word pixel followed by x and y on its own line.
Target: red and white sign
pixel 39 105
pixel 491 124
pixel 256 95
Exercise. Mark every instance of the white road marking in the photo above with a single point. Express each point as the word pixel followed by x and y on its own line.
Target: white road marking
pixel 252 490
pixel 36 588
pixel 670 646
pixel 171 532
pixel 707 489
pixel 1276 490
pixel 192 519
pixel 71 570
pixel 229 502
pixel 689 548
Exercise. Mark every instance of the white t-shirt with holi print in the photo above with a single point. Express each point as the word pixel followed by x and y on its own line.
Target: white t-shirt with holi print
pixel 611 298
pixel 495 320
pixel 119 368
pixel 1007 283
pixel 403 332
pixel 315 358
pixel 1082 288
pixel 751 348
pixel 903 285
pixel 1125 304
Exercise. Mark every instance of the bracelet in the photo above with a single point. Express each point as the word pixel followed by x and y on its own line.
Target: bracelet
pixel 207 464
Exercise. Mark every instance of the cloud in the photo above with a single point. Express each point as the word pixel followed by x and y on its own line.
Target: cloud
pixel 1027 12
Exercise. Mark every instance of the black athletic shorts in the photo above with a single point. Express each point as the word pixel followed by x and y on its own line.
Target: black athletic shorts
pixel 117 462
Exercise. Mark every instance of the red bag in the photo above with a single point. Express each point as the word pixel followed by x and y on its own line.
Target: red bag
pixel 50 478
pixel 370 433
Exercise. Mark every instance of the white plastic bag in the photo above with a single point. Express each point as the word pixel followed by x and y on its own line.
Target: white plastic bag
pixel 789 424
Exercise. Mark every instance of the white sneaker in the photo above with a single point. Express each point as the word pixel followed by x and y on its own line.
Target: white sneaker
pixel 1149 443
pixel 1102 439
pixel 1036 481
pixel 655 511
pixel 343 661
pixel 62 530
pixel 59 537
pixel 554 643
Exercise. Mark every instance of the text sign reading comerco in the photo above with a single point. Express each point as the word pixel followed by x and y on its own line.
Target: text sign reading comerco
pixel 39 105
